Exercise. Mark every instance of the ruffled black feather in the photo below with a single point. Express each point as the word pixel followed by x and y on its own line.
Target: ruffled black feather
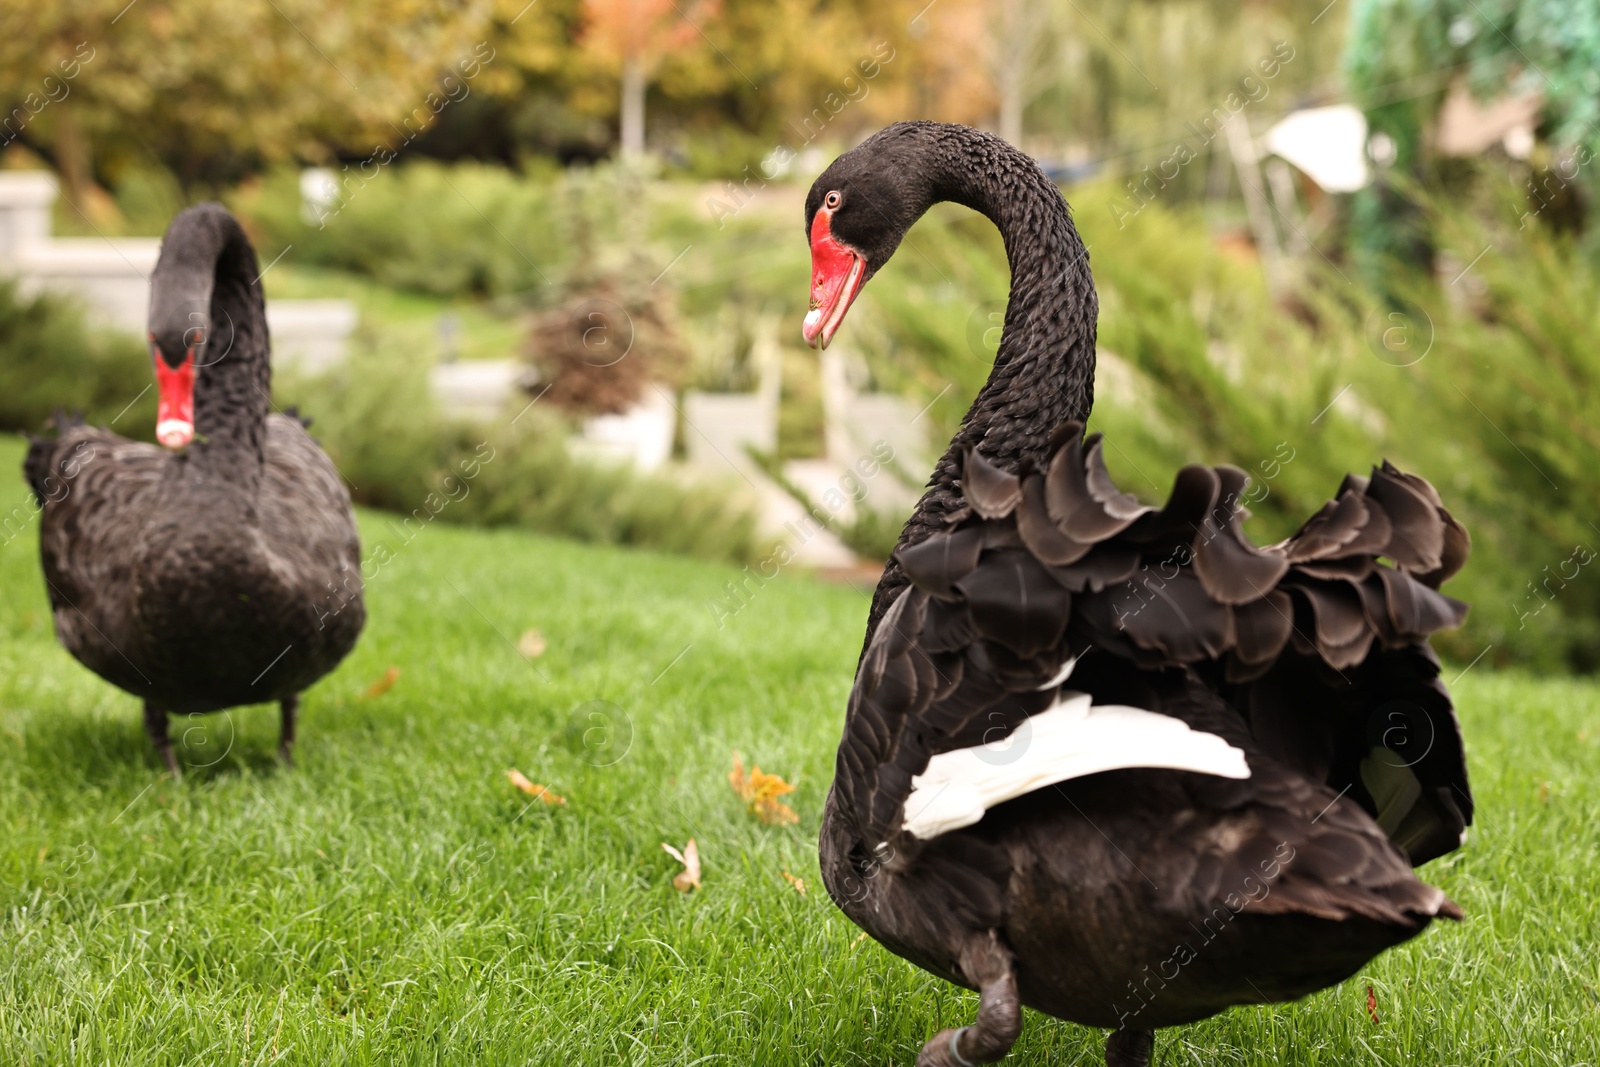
pixel 1307 638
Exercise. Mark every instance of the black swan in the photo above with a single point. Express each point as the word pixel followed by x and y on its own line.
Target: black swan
pixel 226 571
pixel 1223 803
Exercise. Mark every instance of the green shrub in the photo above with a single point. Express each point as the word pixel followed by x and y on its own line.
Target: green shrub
pixel 1503 414
pixel 533 482
pixel 50 360
pixel 376 417
pixel 467 228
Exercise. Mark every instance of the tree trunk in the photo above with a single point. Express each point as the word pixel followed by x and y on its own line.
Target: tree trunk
pixel 1012 30
pixel 72 157
pixel 633 85
pixel 1011 105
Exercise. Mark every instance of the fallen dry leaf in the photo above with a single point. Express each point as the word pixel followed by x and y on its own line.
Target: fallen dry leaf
pixel 760 792
pixel 798 883
pixel 384 684
pixel 531 644
pixel 689 877
pixel 533 789
pixel 1372 1005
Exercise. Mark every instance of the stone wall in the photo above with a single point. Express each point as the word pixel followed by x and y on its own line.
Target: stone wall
pixel 111 275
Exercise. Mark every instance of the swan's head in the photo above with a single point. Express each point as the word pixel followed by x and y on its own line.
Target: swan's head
pixel 177 350
pixel 856 214
pixel 201 244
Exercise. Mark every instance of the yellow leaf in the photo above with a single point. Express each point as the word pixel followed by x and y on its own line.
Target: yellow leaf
pixel 689 877
pixel 798 883
pixel 760 792
pixel 384 684
pixel 531 644
pixel 533 789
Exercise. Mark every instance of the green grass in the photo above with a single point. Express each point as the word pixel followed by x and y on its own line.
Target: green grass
pixel 393 901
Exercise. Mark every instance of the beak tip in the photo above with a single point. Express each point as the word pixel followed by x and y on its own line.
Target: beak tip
pixel 811 328
pixel 174 434
pixel 832 296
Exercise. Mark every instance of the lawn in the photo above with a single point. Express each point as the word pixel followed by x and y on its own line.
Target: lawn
pixel 394 900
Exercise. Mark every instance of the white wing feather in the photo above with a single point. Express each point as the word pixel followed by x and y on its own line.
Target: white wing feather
pixel 1073 738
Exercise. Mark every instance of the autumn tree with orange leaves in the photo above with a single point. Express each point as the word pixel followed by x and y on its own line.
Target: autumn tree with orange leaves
pixel 634 35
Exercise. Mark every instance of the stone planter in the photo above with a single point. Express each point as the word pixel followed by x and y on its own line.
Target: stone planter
pixel 641 436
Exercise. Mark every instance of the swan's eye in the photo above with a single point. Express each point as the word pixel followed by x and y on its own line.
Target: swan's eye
pixel 832 199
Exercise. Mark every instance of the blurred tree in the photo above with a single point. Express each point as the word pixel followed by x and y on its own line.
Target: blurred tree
pixel 1401 59
pixel 212 89
pixel 1022 58
pixel 949 63
pixel 215 90
pixel 634 35
pixel 1128 75
pixel 737 85
pixel 1407 52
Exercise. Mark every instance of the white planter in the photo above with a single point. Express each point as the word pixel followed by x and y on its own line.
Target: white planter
pixel 476 389
pixel 641 436
pixel 25 199
pixel 309 334
pixel 718 427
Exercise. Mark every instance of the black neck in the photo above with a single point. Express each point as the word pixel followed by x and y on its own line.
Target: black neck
pixel 207 263
pixel 232 395
pixel 1044 370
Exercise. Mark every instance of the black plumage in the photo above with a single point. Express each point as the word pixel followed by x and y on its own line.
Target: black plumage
pixel 1135 898
pixel 226 573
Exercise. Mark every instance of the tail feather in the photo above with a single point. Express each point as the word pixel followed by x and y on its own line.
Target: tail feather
pixel 37 463
pixel 40 463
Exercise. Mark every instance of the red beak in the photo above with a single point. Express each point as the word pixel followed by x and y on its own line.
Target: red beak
pixel 175 404
pixel 837 273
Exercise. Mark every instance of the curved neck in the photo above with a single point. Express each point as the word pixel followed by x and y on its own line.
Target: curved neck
pixel 1044 370
pixel 232 394
pixel 207 265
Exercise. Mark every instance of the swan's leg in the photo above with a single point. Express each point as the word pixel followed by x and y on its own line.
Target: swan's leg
pixel 1130 1048
pixel 987 964
pixel 155 727
pixel 290 707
